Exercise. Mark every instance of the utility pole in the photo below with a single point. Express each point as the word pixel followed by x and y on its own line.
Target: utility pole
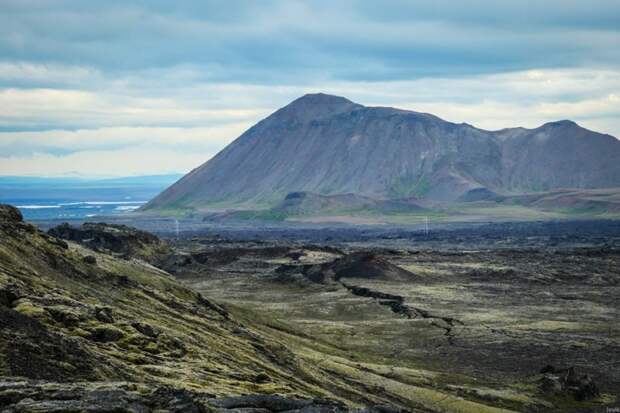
pixel 426 225
pixel 176 225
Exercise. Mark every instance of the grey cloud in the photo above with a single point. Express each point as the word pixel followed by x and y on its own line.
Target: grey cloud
pixel 284 42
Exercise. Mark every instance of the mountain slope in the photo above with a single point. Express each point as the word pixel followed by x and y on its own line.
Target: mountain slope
pixel 329 145
pixel 559 155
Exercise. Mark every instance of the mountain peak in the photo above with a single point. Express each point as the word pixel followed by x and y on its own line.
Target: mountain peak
pixel 561 123
pixel 322 99
pixel 317 105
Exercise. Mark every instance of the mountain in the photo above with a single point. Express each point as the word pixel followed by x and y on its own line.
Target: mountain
pixel 329 145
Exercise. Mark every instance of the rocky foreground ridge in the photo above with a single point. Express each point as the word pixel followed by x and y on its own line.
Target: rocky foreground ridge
pixel 28 396
pixel 90 323
pixel 85 331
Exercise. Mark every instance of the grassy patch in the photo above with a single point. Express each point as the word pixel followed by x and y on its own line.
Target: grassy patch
pixel 404 187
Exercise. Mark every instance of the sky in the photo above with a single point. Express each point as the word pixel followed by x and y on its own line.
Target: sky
pixel 105 88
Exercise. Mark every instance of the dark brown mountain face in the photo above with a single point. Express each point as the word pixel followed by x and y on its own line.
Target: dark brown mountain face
pixel 329 145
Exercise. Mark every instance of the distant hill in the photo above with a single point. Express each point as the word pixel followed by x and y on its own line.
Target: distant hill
pixel 18 189
pixel 77 181
pixel 328 145
pixel 302 203
pixel 68 198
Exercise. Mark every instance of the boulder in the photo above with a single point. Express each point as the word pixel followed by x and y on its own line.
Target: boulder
pixel 90 259
pixel 566 382
pixel 356 265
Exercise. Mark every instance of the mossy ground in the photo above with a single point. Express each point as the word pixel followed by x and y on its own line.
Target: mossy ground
pixel 190 342
pixel 132 321
pixel 511 302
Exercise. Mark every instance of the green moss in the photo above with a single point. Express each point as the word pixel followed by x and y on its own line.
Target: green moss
pixel 28 308
pixel 404 187
pixel 199 348
pixel 152 348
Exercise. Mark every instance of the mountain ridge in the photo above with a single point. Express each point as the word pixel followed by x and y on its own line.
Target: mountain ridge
pixel 330 145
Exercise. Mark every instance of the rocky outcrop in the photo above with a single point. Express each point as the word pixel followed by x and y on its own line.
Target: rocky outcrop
pixel 25 396
pixel 120 240
pixel 9 213
pixel 356 265
pixel 566 382
pixel 275 403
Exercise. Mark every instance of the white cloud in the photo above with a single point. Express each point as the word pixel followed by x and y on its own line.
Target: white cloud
pixel 60 107
pixel 117 151
pixel 528 98
pixel 48 74
pixel 106 163
pixel 188 139
pixel 189 120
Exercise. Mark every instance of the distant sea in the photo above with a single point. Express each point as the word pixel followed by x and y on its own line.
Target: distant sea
pixel 78 199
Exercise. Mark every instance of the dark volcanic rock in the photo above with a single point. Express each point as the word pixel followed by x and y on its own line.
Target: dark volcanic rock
pixel 90 259
pixel 356 265
pixel 9 213
pixel 106 334
pixel 39 353
pixel 98 397
pixel 274 403
pixel 146 329
pixel 568 383
pixel 121 240
pixel 104 314
pixel 22 396
pixel 8 295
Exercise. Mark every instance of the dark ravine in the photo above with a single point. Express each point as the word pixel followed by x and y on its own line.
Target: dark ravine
pixel 397 304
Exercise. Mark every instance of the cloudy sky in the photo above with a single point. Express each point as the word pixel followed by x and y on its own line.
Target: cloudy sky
pixel 114 88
